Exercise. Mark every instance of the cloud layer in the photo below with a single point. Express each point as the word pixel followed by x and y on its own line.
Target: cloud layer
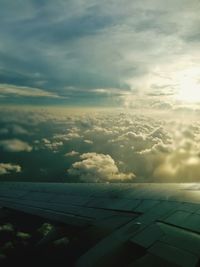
pixel 101 145
pixel 97 52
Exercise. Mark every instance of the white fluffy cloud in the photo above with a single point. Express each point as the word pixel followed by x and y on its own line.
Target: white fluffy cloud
pixel 6 168
pixel 98 168
pixel 15 145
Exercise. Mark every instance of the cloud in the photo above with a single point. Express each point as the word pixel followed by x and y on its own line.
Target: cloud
pixel 51 145
pixel 72 154
pixel 156 147
pixel 24 91
pixel 178 167
pixel 23 236
pixel 6 168
pixel 88 141
pixel 15 145
pixel 56 59
pixel 182 162
pixel 74 133
pixel 98 168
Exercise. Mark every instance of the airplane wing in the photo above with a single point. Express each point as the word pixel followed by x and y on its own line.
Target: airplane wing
pixel 135 224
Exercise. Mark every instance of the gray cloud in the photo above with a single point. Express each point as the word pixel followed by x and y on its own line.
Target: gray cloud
pixel 72 48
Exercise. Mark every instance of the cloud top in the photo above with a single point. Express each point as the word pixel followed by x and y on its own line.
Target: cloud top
pixel 101 145
pixel 95 167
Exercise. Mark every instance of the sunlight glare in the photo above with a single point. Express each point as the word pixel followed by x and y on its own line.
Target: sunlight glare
pixel 189 86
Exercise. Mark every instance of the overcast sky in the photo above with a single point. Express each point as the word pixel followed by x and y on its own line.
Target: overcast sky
pixel 83 52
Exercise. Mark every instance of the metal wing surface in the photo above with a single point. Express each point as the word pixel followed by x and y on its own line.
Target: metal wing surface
pixel 141 224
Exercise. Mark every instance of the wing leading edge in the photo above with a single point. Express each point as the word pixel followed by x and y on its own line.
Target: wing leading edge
pixel 146 224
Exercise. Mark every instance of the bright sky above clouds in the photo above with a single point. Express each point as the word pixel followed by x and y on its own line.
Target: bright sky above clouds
pixel 88 52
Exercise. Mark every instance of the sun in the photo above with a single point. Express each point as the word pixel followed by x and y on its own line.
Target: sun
pixel 189 86
pixel 189 91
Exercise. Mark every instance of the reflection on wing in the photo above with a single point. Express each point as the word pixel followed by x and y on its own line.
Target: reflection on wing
pixel 120 224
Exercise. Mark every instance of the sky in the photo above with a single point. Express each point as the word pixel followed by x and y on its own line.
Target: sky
pixel 99 53
pixel 100 91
